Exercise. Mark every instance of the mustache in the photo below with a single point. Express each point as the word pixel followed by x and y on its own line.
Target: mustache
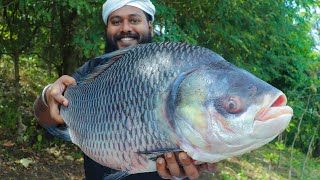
pixel 126 35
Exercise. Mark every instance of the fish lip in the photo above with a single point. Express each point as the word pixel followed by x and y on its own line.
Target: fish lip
pixel 275 109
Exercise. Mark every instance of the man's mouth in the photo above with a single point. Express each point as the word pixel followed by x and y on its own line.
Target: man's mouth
pixel 126 39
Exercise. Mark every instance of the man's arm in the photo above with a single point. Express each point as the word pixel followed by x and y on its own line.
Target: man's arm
pixel 49 115
pixel 42 113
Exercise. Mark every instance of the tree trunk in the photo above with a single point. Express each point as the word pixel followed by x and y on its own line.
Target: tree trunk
pixel 316 152
pixel 301 143
pixel 285 139
pixel 296 137
pixel 280 140
pixel 21 127
pixel 67 49
pixel 317 148
pixel 51 46
pixel 309 151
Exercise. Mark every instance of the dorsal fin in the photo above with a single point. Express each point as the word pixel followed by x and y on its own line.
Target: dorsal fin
pixel 107 61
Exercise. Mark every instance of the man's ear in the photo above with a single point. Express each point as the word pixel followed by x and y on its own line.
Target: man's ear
pixel 151 28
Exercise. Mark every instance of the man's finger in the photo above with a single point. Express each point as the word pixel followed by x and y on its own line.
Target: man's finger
pixel 162 169
pixel 173 165
pixel 61 99
pixel 68 80
pixel 54 113
pixel 189 167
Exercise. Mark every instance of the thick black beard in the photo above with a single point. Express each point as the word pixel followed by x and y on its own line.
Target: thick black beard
pixel 111 46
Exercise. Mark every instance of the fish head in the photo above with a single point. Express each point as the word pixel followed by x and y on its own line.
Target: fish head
pixel 226 111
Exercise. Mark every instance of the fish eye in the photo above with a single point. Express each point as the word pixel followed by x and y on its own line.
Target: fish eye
pixel 233 105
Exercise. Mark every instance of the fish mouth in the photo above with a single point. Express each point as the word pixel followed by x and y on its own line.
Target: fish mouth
pixel 277 108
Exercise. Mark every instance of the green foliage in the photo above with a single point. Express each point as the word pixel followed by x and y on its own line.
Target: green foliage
pixel 227 176
pixel 279 146
pixel 271 157
pixel 7 104
pixel 89 36
pixel 166 17
pixel 240 176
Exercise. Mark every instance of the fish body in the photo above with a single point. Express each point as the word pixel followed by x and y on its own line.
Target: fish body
pixel 164 97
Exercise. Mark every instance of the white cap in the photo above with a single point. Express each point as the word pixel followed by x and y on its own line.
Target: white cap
pixel 111 5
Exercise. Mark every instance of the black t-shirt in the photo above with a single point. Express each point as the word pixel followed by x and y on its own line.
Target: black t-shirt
pixel 94 170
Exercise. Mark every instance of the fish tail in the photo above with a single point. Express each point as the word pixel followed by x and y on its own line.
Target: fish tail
pixel 60 132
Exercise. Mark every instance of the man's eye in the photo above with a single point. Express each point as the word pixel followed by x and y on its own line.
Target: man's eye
pixel 135 21
pixel 116 22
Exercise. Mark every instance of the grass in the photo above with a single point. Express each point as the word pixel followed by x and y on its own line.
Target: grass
pixel 257 165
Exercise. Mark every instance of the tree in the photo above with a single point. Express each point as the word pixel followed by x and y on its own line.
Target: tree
pixel 17 41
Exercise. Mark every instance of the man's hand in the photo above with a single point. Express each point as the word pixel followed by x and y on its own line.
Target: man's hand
pixel 169 168
pixel 54 96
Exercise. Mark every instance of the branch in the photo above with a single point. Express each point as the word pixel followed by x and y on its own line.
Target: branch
pixel 28 43
pixel 6 53
pixel 296 136
pixel 7 4
pixel 313 113
pixel 303 97
pixel 31 53
pixel 315 131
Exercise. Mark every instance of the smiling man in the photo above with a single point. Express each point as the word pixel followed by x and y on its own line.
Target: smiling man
pixel 128 26
pixel 128 22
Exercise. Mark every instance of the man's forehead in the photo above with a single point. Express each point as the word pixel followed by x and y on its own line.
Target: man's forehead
pixel 126 11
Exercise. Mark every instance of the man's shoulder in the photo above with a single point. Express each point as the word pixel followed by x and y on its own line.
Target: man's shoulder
pixel 86 68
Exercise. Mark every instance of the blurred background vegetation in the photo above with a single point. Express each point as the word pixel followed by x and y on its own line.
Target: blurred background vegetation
pixel 278 41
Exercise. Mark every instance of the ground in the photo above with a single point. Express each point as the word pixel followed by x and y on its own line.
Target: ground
pixel 22 161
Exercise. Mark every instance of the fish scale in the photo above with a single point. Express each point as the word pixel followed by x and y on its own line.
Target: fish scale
pixel 166 97
pixel 148 81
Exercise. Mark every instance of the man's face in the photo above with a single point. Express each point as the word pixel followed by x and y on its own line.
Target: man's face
pixel 127 26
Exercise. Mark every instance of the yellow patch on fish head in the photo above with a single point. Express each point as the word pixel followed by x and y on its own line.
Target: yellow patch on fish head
pixel 195 116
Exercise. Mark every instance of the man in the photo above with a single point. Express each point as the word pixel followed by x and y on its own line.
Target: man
pixel 128 22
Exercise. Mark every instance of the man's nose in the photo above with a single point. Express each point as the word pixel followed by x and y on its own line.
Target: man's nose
pixel 126 27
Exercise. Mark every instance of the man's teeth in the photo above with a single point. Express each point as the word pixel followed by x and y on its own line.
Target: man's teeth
pixel 127 39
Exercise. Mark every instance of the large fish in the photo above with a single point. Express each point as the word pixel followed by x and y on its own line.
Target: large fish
pixel 154 98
